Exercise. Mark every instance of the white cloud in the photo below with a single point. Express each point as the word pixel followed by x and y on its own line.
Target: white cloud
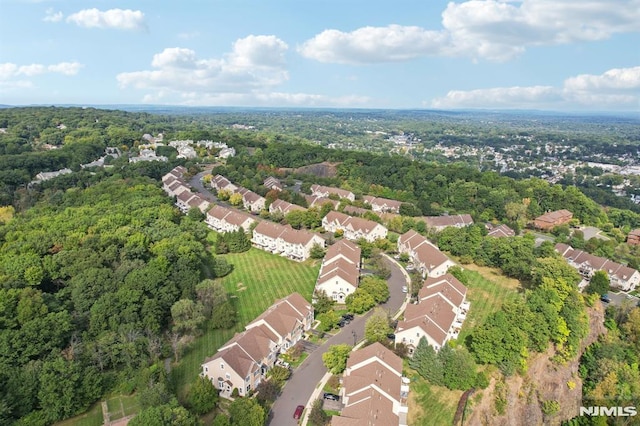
pixel 66 68
pixel 373 44
pixel 615 88
pixel 9 70
pixel 121 19
pixel 53 16
pixel 614 79
pixel 256 63
pixel 481 29
pixel 248 75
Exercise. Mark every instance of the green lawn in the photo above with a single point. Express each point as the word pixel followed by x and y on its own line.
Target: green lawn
pixel 93 417
pixel 121 406
pixel 487 290
pixel 258 279
pixel 431 405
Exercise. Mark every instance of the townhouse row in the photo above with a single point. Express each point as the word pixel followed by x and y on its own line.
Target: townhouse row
pixel 243 362
pixel 269 236
pixel 620 276
pixel 174 185
pixel 437 315
pixel 374 392
pixel 339 274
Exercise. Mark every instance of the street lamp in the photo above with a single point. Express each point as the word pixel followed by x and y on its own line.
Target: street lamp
pixel 355 337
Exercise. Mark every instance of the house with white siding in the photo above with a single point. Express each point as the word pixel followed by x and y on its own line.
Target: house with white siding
pixel 243 362
pixel 353 228
pixel 285 241
pixel 620 276
pixel 223 219
pixel 437 316
pixel 382 205
pixel 424 255
pixel 373 391
pixel 325 191
pixel 339 274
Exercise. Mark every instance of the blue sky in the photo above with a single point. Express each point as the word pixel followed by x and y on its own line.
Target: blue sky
pixel 539 54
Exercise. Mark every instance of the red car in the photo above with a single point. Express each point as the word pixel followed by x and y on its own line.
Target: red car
pixel 298 413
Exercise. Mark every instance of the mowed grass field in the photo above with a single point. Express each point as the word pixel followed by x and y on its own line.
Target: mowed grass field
pixel 258 279
pixel 487 290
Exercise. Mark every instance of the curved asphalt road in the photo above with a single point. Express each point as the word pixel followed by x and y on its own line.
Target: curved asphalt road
pixel 308 375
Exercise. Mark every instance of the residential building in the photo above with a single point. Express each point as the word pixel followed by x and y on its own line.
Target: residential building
pixel 339 274
pixel 382 205
pixel 620 276
pixel 437 316
pixel 220 183
pixel 424 256
pixel 50 175
pixel 550 220
pixel 325 191
pixel 227 152
pixel 499 231
pixel 272 183
pixel 314 201
pixel 441 222
pixel 223 219
pixel 374 392
pixel 187 200
pixel 353 228
pixel 251 201
pixel 355 211
pixel 284 207
pixel 285 241
pixel 634 237
pixel 243 362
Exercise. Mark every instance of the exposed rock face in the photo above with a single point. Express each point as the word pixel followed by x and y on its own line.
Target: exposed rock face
pixel 544 381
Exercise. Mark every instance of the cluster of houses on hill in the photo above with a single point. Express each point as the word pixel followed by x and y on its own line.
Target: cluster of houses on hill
pixel 438 315
pixel 174 185
pixel 295 244
pixel 353 228
pixel 424 255
pixel 243 362
pixel 374 392
pixel 620 276
pixel 325 191
pixel 339 274
pixel 250 200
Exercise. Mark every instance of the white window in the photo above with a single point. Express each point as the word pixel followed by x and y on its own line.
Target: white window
pixel 220 384
pixel 222 366
pixel 228 376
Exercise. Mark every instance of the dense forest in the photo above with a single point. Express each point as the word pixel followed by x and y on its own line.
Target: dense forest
pixel 101 269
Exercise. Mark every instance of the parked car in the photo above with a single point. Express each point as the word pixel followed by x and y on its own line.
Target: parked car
pixel 341 323
pixel 405 289
pixel 391 336
pixel 331 396
pixel 348 316
pixel 605 298
pixel 298 413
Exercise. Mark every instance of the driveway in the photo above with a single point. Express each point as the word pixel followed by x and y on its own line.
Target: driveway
pixel 196 184
pixel 622 298
pixel 308 375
